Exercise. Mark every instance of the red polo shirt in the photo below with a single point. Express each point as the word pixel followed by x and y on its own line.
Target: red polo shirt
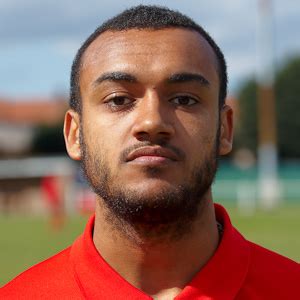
pixel 239 269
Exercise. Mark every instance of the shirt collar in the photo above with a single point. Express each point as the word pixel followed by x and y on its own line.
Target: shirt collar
pixel 223 275
pixel 221 278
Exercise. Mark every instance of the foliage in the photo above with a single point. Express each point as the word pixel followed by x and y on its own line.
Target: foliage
pixel 287 91
pixel 48 140
pixel 246 131
pixel 288 108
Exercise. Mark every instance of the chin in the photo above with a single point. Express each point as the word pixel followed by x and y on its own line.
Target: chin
pixel 151 187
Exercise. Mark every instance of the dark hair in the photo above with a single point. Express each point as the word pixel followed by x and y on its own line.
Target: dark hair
pixel 145 17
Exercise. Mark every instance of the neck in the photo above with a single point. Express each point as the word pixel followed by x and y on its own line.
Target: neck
pixel 159 267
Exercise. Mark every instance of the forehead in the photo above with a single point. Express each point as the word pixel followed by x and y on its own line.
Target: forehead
pixel 151 53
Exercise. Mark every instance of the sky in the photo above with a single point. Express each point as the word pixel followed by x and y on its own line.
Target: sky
pixel 39 38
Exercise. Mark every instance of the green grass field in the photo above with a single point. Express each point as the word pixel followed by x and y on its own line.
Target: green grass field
pixel 26 241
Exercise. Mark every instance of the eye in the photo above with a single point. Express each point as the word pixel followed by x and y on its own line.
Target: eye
pixel 119 101
pixel 184 101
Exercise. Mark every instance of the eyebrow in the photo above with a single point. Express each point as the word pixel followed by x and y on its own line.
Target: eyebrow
pixel 174 78
pixel 186 77
pixel 115 76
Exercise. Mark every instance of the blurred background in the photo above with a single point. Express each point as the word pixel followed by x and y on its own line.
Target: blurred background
pixel 44 201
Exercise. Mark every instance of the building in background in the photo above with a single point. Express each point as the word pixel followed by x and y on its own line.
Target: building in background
pixel 20 117
pixel 22 172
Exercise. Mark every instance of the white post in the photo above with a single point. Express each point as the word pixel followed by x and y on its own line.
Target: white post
pixel 269 191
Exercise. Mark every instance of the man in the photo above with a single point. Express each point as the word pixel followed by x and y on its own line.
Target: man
pixel 148 120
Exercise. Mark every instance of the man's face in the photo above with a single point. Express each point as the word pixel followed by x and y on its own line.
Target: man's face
pixel 150 112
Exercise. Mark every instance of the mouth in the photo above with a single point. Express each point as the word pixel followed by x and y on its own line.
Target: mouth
pixel 152 156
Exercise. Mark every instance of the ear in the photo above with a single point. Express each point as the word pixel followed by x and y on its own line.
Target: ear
pixel 71 134
pixel 226 130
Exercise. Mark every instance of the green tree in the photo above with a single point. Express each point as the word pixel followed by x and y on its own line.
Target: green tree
pixel 246 131
pixel 48 140
pixel 288 107
pixel 287 92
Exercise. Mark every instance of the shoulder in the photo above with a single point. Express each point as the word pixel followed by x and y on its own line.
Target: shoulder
pixel 268 261
pixel 271 275
pixel 49 279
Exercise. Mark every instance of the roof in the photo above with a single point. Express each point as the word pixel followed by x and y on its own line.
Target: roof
pixel 32 111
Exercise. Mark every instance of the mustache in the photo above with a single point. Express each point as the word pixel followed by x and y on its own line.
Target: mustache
pixel 124 154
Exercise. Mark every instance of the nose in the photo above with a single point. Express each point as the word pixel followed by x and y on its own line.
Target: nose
pixel 153 120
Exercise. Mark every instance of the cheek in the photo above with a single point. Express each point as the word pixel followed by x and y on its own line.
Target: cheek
pixel 199 137
pixel 198 129
pixel 103 142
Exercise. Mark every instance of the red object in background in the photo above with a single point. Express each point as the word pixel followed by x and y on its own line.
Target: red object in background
pixel 86 202
pixel 50 188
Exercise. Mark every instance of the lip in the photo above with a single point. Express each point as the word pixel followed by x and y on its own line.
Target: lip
pixel 158 154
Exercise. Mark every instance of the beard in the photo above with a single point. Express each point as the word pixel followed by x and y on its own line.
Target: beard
pixel 169 212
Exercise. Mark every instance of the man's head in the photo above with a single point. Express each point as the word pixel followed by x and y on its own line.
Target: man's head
pixel 146 17
pixel 149 125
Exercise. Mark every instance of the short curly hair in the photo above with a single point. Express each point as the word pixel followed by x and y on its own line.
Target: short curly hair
pixel 145 17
